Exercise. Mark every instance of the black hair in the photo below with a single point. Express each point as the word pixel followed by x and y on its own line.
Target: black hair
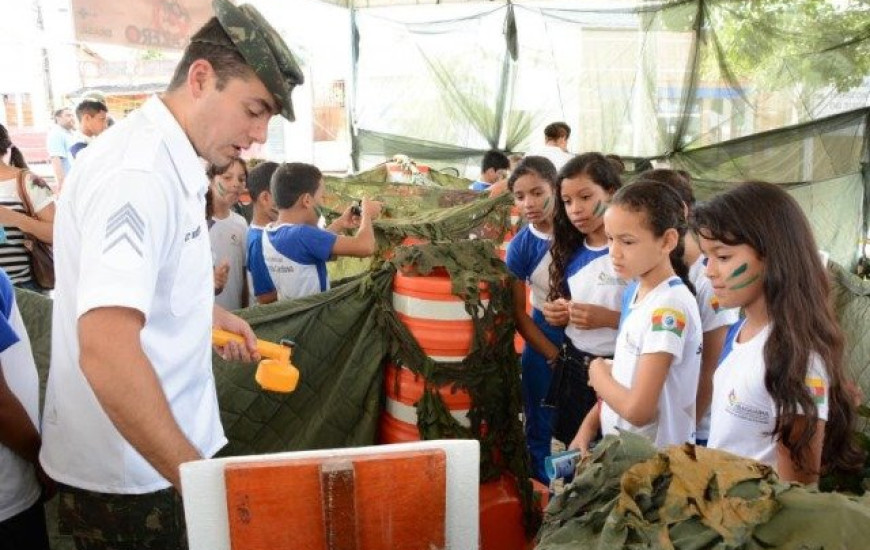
pixel 662 208
pixel 802 320
pixel 212 43
pixel 16 159
pixel 567 239
pixel 292 180
pixel 213 170
pixel 90 107
pixel 539 166
pixel 617 162
pixel 557 130
pixel 260 178
pixel 496 160
pixel 675 180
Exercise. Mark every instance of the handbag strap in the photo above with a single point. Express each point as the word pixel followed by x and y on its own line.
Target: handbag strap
pixel 24 195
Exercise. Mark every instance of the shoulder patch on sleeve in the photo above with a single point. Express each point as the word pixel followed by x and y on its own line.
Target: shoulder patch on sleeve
pixel 817 389
pixel 668 319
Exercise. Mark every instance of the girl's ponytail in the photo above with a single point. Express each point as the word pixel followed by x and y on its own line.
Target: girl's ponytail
pixel 16 159
pixel 679 265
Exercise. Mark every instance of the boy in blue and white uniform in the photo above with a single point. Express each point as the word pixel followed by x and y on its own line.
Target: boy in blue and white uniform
pixel 264 212
pixel 294 248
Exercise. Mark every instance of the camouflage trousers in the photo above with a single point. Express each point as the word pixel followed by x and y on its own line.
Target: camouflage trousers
pixel 100 521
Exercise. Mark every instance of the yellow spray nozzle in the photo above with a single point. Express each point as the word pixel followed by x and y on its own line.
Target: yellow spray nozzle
pixel 275 372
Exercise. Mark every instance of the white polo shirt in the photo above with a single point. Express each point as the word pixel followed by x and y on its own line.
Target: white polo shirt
pixel 743 412
pixel 665 320
pixel 130 231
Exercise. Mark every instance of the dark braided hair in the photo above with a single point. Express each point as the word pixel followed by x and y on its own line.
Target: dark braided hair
pixel 663 209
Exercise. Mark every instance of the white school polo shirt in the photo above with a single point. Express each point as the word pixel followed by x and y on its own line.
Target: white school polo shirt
pixel 591 279
pixel 665 320
pixel 713 316
pixel 743 414
pixel 130 231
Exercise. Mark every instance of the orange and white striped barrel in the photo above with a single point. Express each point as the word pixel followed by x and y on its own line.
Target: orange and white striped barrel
pixel 435 317
pixel 404 389
pixel 511 233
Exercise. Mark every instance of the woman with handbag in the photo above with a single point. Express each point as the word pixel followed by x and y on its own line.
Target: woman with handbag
pixel 27 220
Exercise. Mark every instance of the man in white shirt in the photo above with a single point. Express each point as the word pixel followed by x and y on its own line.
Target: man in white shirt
pixel 555 146
pixel 58 141
pixel 131 394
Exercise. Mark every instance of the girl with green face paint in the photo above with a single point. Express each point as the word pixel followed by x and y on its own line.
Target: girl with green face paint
pixel 585 292
pixel 528 259
pixel 228 233
pixel 786 355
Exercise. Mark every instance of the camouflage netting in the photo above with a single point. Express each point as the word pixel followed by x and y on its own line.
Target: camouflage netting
pixel 629 495
pixel 345 336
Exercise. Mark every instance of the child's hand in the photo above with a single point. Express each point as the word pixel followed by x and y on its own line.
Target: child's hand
pixel 581 442
pixel 372 208
pixel 221 276
pixel 599 370
pixel 349 219
pixel 556 312
pixel 587 316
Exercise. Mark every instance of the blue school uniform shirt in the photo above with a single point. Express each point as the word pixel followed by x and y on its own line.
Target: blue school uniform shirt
pixel 296 256
pixel 479 186
pixel 528 258
pixel 260 278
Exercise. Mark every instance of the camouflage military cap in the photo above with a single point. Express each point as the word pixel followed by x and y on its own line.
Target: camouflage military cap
pixel 263 49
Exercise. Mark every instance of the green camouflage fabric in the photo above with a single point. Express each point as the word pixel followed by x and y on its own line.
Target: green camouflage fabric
pixel 628 495
pixel 263 49
pixel 98 521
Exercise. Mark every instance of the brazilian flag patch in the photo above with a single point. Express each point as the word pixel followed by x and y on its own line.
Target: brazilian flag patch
pixel 670 320
pixel 817 389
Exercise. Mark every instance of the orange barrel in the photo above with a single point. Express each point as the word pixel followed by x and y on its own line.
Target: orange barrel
pixel 501 516
pixel 511 232
pixel 398 422
pixel 436 318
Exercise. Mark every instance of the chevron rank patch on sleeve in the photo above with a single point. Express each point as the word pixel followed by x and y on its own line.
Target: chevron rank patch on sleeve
pixel 125 233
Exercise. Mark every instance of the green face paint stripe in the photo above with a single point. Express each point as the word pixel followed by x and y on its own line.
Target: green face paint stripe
pixel 739 271
pixel 745 283
pixel 547 203
pixel 221 189
pixel 600 209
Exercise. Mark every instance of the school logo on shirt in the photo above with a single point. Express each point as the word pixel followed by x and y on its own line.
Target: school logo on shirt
pixel 817 389
pixel 714 304
pixel 670 320
pixel 605 279
pixel 745 411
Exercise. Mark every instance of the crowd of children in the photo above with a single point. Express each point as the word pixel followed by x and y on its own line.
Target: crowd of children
pixel 676 320
pixel 283 253
pixel 649 313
